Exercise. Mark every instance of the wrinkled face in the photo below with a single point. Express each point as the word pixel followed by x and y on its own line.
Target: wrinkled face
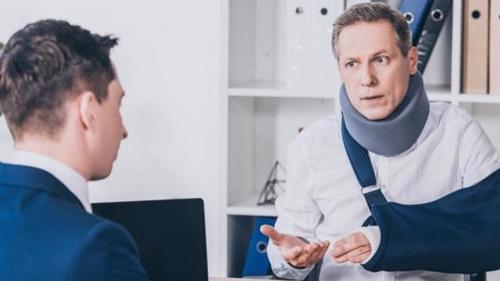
pixel 373 69
pixel 109 131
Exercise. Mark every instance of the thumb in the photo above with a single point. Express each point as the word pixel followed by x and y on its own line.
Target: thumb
pixel 270 232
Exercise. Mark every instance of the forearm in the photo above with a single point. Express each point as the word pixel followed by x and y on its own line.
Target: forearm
pixel 456 234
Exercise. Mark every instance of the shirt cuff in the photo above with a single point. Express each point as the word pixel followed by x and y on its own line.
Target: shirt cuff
pixel 282 268
pixel 372 233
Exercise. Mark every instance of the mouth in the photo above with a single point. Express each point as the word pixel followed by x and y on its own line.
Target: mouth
pixel 372 97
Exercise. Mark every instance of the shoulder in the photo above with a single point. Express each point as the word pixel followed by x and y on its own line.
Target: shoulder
pixel 107 234
pixel 84 230
pixel 322 132
pixel 106 252
pixel 445 114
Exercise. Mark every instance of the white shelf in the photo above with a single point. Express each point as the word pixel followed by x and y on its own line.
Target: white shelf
pixel 259 84
pixel 434 94
pixel 248 207
pixel 279 93
pixel 478 98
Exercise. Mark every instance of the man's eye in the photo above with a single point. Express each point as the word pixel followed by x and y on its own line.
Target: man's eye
pixel 382 60
pixel 350 64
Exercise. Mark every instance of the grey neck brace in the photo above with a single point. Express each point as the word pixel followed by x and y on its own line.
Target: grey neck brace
pixel 396 133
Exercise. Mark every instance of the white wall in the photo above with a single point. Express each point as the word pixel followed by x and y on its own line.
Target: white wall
pixel 168 61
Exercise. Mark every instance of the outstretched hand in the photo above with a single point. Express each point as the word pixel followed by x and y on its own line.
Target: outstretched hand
pixel 295 250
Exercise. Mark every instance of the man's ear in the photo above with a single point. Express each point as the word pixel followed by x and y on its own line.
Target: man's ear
pixel 87 105
pixel 413 60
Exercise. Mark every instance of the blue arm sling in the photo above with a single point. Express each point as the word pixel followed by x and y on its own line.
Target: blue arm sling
pixel 458 233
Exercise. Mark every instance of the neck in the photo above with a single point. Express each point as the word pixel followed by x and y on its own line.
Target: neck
pixel 54 149
pixel 396 133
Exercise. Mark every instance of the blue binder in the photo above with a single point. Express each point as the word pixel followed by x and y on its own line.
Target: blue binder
pixel 256 262
pixel 415 12
pixel 430 32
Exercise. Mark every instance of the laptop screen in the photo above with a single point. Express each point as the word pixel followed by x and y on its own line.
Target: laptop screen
pixel 170 235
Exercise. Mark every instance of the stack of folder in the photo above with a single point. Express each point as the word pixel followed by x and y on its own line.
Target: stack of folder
pixel 426 19
pixel 481 47
pixel 494 71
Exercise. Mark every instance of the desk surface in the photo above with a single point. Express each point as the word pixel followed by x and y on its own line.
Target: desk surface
pixel 233 279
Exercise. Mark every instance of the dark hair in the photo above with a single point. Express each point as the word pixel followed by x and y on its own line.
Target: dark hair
pixel 46 63
pixel 372 12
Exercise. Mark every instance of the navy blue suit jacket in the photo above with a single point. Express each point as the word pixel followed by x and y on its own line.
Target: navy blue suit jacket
pixel 46 234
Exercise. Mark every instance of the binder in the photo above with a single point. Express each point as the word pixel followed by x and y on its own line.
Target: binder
pixel 494 73
pixel 256 261
pixel 311 65
pixel 415 12
pixel 430 32
pixel 324 67
pixel 475 47
pixel 298 43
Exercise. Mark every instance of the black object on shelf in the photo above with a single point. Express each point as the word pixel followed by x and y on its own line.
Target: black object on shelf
pixel 268 194
pixel 433 25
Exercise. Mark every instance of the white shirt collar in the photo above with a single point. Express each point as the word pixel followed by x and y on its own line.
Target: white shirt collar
pixel 75 182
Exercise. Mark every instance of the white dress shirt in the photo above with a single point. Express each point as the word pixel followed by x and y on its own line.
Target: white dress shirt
pixel 75 182
pixel 323 199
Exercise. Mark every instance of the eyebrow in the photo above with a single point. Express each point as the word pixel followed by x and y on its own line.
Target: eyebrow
pixel 123 94
pixel 372 55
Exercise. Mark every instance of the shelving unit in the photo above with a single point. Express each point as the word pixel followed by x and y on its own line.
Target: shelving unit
pixel 264 105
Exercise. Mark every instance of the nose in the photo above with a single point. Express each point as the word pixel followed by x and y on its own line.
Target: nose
pixel 367 78
pixel 125 133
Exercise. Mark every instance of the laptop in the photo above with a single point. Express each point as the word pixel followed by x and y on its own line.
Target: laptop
pixel 170 235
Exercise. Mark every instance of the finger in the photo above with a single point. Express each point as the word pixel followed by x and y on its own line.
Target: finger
pixel 320 252
pixel 326 246
pixel 311 254
pixel 303 259
pixel 311 248
pixel 270 232
pixel 339 250
pixel 360 258
pixel 358 252
pixel 358 236
pixel 350 243
pixel 291 255
pixel 355 255
pixel 341 242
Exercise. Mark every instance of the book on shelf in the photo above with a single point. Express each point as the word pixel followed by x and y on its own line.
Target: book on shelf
pixel 475 47
pixel 415 13
pixel 434 23
pixel 256 261
pixel 494 71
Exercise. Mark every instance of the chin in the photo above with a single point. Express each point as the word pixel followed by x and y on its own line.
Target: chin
pixel 375 115
pixel 101 175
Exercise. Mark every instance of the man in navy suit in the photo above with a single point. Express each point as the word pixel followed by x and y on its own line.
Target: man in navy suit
pixel 61 97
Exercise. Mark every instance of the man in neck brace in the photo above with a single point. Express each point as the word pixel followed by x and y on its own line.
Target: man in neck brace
pixel 420 152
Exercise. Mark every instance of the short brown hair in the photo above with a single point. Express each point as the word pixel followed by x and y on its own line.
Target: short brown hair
pixel 44 64
pixel 372 12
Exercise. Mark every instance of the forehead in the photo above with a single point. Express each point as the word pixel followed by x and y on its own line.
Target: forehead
pixel 365 38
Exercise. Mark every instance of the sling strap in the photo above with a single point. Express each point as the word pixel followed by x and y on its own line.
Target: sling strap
pixel 363 169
